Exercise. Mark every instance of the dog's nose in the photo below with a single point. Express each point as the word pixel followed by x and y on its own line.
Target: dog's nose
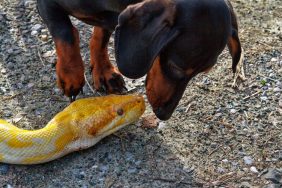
pixel 162 114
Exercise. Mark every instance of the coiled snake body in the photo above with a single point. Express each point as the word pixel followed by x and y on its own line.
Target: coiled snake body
pixel 79 126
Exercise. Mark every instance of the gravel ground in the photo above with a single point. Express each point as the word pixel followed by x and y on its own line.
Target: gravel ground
pixel 217 137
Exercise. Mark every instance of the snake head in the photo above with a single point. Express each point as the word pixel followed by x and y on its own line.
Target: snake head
pixel 115 112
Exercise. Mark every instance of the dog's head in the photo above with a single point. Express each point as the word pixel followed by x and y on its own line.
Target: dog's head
pixel 171 42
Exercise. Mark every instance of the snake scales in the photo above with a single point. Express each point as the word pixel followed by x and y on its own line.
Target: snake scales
pixel 79 126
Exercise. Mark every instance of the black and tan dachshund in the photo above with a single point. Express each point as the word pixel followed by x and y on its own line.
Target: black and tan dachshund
pixel 169 40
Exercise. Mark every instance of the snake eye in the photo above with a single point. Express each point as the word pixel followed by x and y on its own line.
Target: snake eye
pixel 120 111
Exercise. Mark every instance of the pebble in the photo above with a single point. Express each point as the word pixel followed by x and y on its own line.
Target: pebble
pixel 44 37
pixel 46 78
pixel 220 170
pixel 274 59
pixel 3 71
pixel 36 27
pixel 248 160
pixel 9 186
pixel 271 75
pixel 30 85
pixel 132 170
pixel 10 50
pixel 280 155
pixel 280 103
pixel 162 125
pixel 10 65
pixel 28 4
pixel 254 170
pixel 4 168
pixel 277 89
pixel 233 111
pixel 264 98
pixel 34 33
pixel 274 175
pixel 279 84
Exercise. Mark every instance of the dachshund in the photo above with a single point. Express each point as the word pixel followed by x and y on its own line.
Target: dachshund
pixel 169 40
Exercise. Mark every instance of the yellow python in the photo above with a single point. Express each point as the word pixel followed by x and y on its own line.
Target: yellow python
pixel 79 126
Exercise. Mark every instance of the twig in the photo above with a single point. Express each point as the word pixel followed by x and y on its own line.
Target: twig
pixel 267 77
pixel 88 84
pixel 256 93
pixel 189 106
pixel 121 141
pixel 13 96
pixel 39 55
pixel 189 101
pixel 223 178
pixel 214 150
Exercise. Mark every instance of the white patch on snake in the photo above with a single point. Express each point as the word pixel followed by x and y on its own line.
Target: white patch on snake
pixel 4 127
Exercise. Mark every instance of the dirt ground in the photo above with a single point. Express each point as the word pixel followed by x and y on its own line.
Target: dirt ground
pixel 218 136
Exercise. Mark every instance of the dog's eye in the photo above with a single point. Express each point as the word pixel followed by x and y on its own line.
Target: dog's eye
pixel 176 71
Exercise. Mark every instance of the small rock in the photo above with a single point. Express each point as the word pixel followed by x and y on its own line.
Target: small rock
pixel 277 89
pixel 132 170
pixel 220 170
pixel 10 50
pixel 103 168
pixel 36 27
pixel 17 118
pixel 162 125
pixel 263 98
pixel 273 59
pixel 49 53
pixel 44 37
pixel 248 160
pixel 9 186
pixel 3 71
pixel 280 103
pixel 254 170
pixel 233 111
pixel 30 85
pixel 94 167
pixel 271 75
pixel 46 78
pixel 10 65
pixel 280 155
pixel 278 84
pixel 34 33
pixel 138 162
pixel 28 4
pixel 274 175
pixel 225 160
pixel 4 168
pixel 82 174
pixel 206 81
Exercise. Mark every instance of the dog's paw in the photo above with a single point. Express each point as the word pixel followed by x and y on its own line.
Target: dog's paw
pixel 70 80
pixel 108 80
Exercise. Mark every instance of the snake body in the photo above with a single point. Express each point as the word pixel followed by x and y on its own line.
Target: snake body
pixel 79 126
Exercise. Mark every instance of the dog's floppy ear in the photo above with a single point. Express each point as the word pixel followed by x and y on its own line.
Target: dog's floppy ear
pixel 144 29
